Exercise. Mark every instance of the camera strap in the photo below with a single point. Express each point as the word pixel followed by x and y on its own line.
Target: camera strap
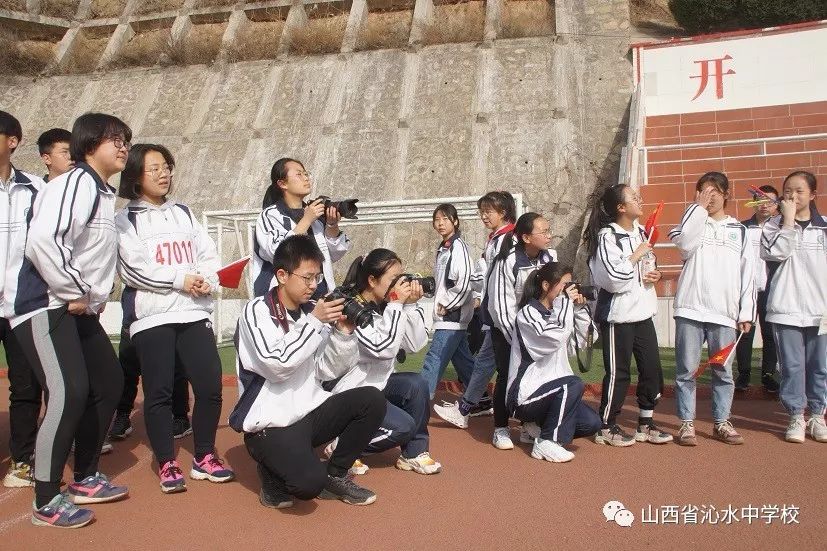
pixel 277 309
pixel 587 365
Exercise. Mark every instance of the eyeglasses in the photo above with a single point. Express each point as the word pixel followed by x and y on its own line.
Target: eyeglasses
pixel 546 232
pixel 302 174
pixel 310 279
pixel 157 171
pixel 119 142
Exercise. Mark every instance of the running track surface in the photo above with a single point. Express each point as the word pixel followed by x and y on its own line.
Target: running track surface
pixel 484 498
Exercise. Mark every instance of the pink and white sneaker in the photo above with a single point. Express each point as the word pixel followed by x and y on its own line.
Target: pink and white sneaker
pixel 172 478
pixel 211 468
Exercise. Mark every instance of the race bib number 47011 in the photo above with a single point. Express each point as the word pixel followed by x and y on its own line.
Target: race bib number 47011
pixel 174 252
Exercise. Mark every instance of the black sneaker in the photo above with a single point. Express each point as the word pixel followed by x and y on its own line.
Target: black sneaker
pixel 769 382
pixel 742 381
pixel 344 489
pixel 121 427
pixel 181 427
pixel 484 407
pixel 272 494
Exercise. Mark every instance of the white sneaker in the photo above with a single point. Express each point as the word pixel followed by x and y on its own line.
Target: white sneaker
pixel 550 451
pixel 528 432
pixel 330 448
pixel 502 439
pixel 450 412
pixel 817 428
pixel 422 464
pixel 797 430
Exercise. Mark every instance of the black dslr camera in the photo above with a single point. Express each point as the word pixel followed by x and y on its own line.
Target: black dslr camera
pixel 587 291
pixel 346 208
pixel 356 311
pixel 428 283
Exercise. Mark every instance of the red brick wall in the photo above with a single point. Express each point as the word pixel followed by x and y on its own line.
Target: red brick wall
pixel 672 173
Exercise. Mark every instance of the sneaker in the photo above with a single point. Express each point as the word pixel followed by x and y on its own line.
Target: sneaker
pixel 121 427
pixel 181 427
pixel 769 382
pixel 614 436
pixel 742 381
pixel 652 434
pixel 550 451
pixel 345 489
pixel 796 430
pixel 817 428
pixel 726 433
pixel 95 489
pixel 272 494
pixel 106 447
pixel 686 434
pixel 358 467
pixel 61 513
pixel 211 468
pixel 422 464
pixel 502 439
pixel 450 412
pixel 19 475
pixel 172 478
pixel 529 432
pixel 483 407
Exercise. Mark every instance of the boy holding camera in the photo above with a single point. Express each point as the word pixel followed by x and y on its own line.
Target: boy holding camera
pixel 283 353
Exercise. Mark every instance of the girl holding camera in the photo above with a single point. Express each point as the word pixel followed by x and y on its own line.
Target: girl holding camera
pixel 398 325
pixel 453 302
pixel 285 213
pixel 623 266
pixel 542 390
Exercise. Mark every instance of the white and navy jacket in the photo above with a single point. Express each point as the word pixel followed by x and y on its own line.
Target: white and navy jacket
pixel 274 225
pixel 452 273
pixel 72 245
pixel 623 296
pixel 716 284
pixel 540 348
pixel 505 285
pixel 492 247
pixel 397 327
pixel 761 271
pixel 15 212
pixel 798 290
pixel 280 373
pixel 157 247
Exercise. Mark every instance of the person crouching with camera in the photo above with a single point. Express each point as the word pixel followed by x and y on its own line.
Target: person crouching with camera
pixel 542 390
pixel 286 213
pixel 398 325
pixel 283 411
pixel 623 266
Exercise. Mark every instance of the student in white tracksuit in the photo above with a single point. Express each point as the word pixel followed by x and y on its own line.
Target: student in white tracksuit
pixel 715 300
pixel 453 303
pixel 398 325
pixel 542 390
pixel 285 213
pixel 623 266
pixel 797 304
pixel 72 252
pixel 169 264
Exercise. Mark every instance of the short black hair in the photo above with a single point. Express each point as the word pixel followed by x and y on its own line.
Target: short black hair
pixel 10 126
pixel 449 211
pixel 130 186
pixel 502 202
pixel 294 250
pixel 769 189
pixel 92 129
pixel 47 140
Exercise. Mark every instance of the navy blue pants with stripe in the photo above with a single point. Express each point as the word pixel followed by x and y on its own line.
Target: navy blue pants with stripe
pixel 406 418
pixel 561 413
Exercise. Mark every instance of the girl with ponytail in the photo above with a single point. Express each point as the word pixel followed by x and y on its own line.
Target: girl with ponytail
pixel 286 213
pixel 542 390
pixel 398 325
pixel 623 266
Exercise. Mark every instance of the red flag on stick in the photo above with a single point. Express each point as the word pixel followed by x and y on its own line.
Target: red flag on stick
pixel 758 193
pixel 230 275
pixel 651 226
pixel 719 359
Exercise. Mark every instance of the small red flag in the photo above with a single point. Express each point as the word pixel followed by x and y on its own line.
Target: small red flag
pixel 757 192
pixel 719 359
pixel 651 226
pixel 230 275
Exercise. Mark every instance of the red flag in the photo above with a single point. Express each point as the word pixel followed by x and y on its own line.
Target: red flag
pixel 719 359
pixel 230 275
pixel 651 226
pixel 758 193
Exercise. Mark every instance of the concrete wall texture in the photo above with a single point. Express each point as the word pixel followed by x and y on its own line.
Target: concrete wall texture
pixel 544 116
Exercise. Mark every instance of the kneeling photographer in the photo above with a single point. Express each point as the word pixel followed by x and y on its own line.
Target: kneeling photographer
pixel 285 347
pixel 286 213
pixel 398 326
